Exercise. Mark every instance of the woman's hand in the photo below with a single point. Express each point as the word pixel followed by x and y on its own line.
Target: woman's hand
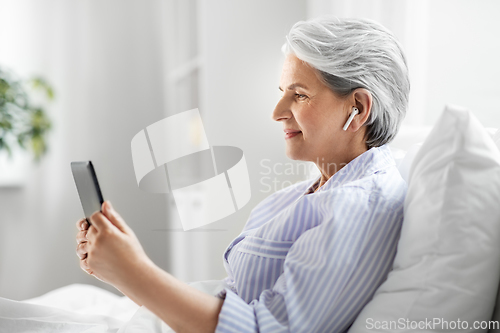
pixel 109 249
pixel 81 239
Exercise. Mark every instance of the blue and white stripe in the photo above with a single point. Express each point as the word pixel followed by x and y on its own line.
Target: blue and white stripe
pixel 310 262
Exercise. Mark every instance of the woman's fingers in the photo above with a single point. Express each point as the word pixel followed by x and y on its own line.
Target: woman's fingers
pixel 82 224
pixel 107 220
pixel 84 265
pixel 114 217
pixel 91 234
pixel 100 222
pixel 81 250
pixel 81 236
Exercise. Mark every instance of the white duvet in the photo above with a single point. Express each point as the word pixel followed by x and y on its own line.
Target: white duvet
pixel 85 308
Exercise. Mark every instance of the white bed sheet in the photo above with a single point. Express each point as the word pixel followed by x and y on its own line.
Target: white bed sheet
pixel 81 308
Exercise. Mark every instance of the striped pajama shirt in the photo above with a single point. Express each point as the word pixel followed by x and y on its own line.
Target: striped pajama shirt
pixel 309 262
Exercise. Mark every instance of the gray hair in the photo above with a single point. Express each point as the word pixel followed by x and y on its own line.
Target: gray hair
pixel 357 53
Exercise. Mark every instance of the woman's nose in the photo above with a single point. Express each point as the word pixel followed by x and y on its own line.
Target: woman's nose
pixel 282 110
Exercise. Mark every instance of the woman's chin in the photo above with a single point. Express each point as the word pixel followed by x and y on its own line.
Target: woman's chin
pixel 294 155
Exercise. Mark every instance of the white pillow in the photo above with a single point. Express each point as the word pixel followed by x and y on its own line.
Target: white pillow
pixel 448 260
pixel 405 164
pixel 496 138
pixel 405 146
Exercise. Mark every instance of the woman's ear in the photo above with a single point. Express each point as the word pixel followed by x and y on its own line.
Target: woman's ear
pixel 362 100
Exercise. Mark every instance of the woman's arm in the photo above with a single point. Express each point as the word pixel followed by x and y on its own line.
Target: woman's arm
pixel 182 307
pixel 115 256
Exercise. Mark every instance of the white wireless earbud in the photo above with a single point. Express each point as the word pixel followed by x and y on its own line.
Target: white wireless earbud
pixel 354 112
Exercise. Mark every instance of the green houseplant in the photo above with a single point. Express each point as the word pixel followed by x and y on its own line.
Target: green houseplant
pixel 22 123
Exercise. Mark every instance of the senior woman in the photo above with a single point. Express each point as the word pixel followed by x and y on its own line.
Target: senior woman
pixel 312 255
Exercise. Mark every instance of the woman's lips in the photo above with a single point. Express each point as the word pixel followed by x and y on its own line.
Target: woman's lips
pixel 291 133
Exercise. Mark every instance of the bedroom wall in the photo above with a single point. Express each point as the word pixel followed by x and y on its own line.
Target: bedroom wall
pixel 464 49
pixel 452 48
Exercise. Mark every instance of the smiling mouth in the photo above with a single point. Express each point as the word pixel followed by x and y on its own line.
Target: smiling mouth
pixel 289 135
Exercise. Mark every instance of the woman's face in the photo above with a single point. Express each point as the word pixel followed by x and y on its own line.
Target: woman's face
pixel 311 114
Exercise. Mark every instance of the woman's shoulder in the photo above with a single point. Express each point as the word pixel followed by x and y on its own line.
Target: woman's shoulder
pixel 383 187
pixel 369 180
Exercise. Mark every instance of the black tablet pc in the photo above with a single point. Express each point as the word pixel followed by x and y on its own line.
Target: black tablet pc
pixel 87 187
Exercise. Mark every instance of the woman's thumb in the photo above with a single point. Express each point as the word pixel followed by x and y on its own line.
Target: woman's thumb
pixel 113 216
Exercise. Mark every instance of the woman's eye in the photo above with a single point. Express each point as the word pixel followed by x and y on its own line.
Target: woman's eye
pixel 301 96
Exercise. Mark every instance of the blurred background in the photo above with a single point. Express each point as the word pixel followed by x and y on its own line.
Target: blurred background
pixel 117 66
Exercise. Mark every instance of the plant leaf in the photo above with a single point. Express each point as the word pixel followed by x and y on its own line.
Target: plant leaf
pixel 22 123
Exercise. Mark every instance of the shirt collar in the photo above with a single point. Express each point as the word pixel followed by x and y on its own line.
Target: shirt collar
pixel 370 162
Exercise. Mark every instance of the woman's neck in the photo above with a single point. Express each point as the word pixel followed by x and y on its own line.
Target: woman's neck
pixel 330 166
